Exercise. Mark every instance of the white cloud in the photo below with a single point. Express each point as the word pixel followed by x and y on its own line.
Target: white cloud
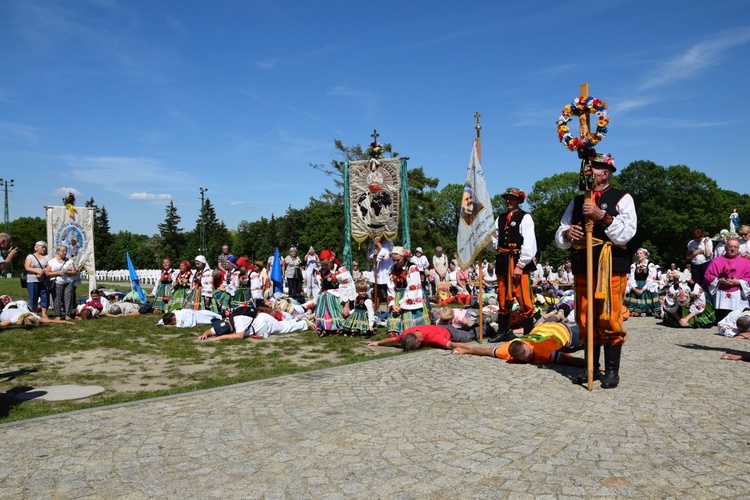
pixel 626 105
pixel 149 196
pixel 20 131
pixel 367 98
pixel 238 203
pixel 270 64
pixel 698 57
pixel 124 175
pixel 63 192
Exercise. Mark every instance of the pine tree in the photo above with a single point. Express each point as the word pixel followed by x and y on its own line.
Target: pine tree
pixel 217 233
pixel 172 236
pixel 102 236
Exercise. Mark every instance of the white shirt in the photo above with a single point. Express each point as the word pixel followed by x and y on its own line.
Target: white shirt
pixel 528 249
pixel 620 232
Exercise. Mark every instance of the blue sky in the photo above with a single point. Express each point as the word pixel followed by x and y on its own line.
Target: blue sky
pixel 138 102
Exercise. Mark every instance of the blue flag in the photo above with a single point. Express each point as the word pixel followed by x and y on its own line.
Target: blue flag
pixel 276 277
pixel 134 279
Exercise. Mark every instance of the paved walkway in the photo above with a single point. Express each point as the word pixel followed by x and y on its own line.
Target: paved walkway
pixel 424 425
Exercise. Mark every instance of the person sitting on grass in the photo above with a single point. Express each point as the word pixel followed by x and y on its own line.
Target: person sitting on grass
pixel 362 320
pixel 685 305
pixel 188 318
pixel 239 326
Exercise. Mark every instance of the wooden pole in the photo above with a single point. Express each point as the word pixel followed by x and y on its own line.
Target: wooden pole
pixel 375 282
pixel 480 294
pixel 584 132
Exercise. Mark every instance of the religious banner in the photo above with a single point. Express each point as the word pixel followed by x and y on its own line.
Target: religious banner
pixel 476 223
pixel 73 228
pixel 374 194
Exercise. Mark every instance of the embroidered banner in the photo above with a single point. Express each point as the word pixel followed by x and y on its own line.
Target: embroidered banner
pixel 374 193
pixel 77 233
pixel 476 223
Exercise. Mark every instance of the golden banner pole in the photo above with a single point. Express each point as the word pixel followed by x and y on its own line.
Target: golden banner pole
pixel 480 294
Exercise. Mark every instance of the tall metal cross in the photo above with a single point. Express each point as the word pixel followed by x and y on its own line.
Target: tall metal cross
pixel 375 136
pixel 478 128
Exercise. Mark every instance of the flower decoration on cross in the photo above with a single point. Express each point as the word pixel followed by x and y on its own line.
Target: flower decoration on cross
pixel 579 107
pixel 70 203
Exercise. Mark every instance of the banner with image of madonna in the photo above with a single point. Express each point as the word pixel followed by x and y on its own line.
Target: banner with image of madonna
pixel 77 233
pixel 374 191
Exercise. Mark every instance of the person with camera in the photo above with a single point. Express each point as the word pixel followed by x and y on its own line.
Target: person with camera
pixel 5 241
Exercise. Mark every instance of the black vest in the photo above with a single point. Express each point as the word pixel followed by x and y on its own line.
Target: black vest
pixel 608 203
pixel 505 238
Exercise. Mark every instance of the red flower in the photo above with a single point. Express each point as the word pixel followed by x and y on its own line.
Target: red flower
pixel 409 301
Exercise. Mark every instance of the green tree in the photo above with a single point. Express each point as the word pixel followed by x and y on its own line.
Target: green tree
pixel 144 251
pixel 26 231
pixel 671 203
pixel 446 219
pixel 547 201
pixel 102 235
pixel 172 236
pixel 423 210
pixel 217 235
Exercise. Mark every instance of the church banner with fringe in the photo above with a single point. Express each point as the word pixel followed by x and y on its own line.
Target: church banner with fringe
pixel 74 229
pixel 374 194
pixel 476 223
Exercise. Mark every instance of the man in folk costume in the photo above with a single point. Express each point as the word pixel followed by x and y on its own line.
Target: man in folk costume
pixel 615 224
pixel 515 242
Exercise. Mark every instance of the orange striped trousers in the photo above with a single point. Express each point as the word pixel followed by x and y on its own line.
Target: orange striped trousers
pixel 521 291
pixel 606 332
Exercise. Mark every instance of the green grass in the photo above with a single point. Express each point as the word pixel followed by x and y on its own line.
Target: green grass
pixel 112 351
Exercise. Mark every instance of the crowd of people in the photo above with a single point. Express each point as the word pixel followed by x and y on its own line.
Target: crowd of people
pixel 414 297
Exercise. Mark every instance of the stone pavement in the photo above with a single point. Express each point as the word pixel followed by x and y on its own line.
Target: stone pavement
pixel 422 425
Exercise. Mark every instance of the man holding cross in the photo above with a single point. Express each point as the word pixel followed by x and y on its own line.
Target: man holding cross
pixel 614 225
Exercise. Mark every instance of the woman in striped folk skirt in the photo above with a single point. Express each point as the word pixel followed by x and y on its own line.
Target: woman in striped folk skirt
pixel 163 289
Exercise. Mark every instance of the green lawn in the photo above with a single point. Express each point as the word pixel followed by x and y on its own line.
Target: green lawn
pixel 134 359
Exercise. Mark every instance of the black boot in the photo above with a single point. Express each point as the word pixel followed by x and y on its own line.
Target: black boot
pixel 502 330
pixel 611 366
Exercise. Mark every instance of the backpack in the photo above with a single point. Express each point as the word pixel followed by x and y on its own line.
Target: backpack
pixel 243 311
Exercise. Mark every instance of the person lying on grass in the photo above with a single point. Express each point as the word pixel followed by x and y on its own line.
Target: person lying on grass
pixel 239 326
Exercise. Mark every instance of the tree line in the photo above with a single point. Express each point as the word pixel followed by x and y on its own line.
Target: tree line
pixel 671 202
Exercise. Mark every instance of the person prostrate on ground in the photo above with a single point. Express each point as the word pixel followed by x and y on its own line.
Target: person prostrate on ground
pixel 548 343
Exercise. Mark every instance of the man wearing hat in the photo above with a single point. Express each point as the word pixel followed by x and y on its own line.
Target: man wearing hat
pixel 615 224
pixel 515 242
